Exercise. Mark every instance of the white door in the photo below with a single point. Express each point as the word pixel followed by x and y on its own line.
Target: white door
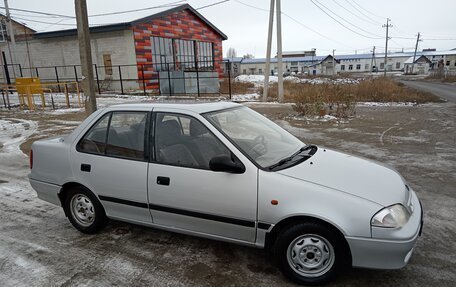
pixel 111 161
pixel 184 193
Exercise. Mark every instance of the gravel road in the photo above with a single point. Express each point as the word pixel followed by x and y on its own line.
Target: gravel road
pixel 446 91
pixel 39 247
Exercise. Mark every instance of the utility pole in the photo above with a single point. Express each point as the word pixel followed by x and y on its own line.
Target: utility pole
pixel 334 63
pixel 11 34
pixel 386 45
pixel 28 52
pixel 279 51
pixel 85 54
pixel 373 61
pixel 268 53
pixel 416 48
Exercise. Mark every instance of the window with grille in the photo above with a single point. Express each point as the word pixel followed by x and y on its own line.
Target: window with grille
pixel 162 53
pixel 185 54
pixel 179 54
pixel 3 32
pixel 205 55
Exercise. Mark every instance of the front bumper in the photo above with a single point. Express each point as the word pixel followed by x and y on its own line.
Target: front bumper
pixel 388 248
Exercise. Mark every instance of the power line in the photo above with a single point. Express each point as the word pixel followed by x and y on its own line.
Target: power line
pixel 42 22
pixel 316 32
pixel 37 16
pixel 440 39
pixel 38 12
pixel 346 20
pixel 342 24
pixel 53 24
pixel 251 6
pixel 357 16
pixel 172 4
pixel 296 21
pixel 380 17
pixel 210 5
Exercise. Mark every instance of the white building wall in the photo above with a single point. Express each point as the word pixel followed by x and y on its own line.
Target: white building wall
pixel 64 51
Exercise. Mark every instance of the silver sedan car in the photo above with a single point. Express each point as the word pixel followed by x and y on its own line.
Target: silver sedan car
pixel 223 171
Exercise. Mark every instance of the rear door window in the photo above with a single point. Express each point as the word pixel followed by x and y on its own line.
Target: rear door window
pixel 126 135
pixel 95 140
pixel 117 134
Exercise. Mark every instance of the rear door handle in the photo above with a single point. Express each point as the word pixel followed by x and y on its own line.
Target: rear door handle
pixel 85 167
pixel 162 180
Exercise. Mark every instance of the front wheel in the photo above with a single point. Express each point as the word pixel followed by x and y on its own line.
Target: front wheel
pixel 309 253
pixel 84 211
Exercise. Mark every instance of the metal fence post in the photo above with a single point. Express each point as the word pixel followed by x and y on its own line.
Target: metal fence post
pixel 75 73
pixel 98 80
pixel 197 80
pixel 143 80
pixel 57 78
pixel 5 66
pixel 3 96
pixel 158 81
pixel 52 100
pixel 120 78
pixel 229 78
pixel 169 82
pixel 196 66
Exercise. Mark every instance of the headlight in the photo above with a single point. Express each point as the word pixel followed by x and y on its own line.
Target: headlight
pixel 390 217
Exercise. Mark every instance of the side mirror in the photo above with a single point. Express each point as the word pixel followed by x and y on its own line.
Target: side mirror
pixel 226 164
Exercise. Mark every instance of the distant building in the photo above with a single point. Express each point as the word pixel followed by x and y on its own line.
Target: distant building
pixel 21 31
pixel 421 65
pixel 326 66
pixel 296 54
pixel 177 39
pixel 352 63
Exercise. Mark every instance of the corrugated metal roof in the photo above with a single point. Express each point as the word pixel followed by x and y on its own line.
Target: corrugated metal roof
pixel 127 24
pixel 351 57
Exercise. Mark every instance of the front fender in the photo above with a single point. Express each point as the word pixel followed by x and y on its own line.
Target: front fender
pixel 348 213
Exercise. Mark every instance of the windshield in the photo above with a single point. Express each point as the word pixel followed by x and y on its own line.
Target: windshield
pixel 259 138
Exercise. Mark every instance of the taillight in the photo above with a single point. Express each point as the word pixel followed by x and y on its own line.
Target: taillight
pixel 31 159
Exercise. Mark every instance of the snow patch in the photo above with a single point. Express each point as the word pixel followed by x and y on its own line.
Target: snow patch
pixel 390 104
pixel 258 80
pixel 245 98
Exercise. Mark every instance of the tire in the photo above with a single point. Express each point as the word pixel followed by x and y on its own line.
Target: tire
pixel 309 253
pixel 84 210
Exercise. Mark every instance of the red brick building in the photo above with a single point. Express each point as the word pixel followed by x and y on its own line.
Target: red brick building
pixel 176 39
pixel 178 42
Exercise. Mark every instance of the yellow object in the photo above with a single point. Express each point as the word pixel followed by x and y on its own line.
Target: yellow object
pixel 27 88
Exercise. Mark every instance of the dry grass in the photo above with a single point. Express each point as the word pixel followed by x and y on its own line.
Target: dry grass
pixel 441 76
pixel 340 99
pixel 236 87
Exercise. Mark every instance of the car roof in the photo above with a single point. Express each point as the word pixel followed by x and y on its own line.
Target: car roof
pixel 199 108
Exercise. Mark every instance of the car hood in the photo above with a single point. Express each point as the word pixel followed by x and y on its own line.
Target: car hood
pixel 350 174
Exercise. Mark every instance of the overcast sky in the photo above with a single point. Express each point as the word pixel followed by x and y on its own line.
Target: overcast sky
pixel 246 27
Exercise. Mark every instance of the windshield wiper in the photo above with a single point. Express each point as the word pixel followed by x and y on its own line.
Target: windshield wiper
pixel 291 157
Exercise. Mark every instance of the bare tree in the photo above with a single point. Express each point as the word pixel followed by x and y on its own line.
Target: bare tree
pixel 231 53
pixel 248 56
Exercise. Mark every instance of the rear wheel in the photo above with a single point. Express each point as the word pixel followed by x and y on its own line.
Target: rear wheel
pixel 309 253
pixel 84 210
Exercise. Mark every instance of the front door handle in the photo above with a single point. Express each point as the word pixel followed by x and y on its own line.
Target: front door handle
pixel 162 180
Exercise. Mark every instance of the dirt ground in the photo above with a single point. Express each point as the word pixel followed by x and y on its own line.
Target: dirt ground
pixel 39 247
